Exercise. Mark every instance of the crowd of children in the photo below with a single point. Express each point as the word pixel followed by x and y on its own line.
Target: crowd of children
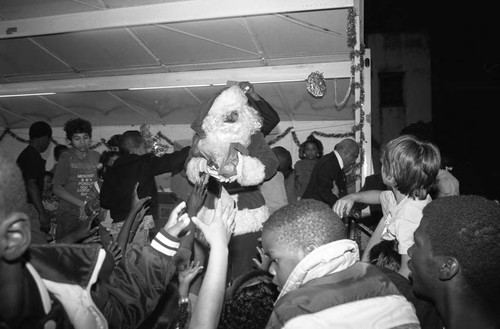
pixel 111 262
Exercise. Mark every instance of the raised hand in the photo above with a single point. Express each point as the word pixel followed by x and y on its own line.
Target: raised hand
pixel 343 206
pixel 246 87
pixel 114 249
pixel 264 262
pixel 178 220
pixel 197 197
pixel 92 203
pixel 138 204
pixel 187 275
pixel 220 229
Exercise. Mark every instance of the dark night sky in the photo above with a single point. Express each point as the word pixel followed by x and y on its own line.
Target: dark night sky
pixel 465 80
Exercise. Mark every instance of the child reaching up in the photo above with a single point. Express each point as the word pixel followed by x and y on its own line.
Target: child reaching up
pixel 309 152
pixel 410 167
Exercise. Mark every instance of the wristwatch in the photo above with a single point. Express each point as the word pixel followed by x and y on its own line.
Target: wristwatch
pixel 183 300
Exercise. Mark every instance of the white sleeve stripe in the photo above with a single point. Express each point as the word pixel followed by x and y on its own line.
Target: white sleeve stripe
pixel 167 246
pixel 156 245
pixel 166 241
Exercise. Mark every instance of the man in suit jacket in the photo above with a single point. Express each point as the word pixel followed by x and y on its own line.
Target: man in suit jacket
pixel 330 168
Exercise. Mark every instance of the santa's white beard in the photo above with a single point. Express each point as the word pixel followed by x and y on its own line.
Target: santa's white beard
pixel 219 134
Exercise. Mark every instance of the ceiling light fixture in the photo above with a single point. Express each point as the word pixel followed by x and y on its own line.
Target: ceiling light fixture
pixel 213 84
pixel 174 87
pixel 26 95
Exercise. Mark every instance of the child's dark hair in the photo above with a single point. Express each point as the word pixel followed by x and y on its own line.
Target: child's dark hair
pixel 311 140
pixel 467 227
pixel 385 254
pixel 308 221
pixel 285 159
pixel 40 129
pixel 251 304
pixel 103 159
pixel 58 150
pixel 114 142
pixel 77 126
pixel 129 140
pixel 48 173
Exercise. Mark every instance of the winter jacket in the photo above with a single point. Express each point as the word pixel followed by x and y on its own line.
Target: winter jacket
pixel 77 294
pixel 330 288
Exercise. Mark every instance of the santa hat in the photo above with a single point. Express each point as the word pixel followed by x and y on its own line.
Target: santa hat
pixel 220 103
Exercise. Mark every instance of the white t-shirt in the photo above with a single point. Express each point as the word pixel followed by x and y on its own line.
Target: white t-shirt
pixel 401 220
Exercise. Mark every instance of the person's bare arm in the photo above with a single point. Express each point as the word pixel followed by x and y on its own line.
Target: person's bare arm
pixel 404 270
pixel 36 197
pixel 206 312
pixel 375 239
pixel 343 206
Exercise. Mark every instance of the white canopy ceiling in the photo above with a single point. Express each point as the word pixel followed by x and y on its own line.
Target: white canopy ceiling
pixel 89 53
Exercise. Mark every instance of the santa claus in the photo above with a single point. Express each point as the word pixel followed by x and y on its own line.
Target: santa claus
pixel 229 146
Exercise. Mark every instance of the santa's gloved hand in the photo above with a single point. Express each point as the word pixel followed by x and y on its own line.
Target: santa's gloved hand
pixel 203 167
pixel 212 172
pixel 239 167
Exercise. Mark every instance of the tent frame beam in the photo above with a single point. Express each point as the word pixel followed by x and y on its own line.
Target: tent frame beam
pixel 265 74
pixel 170 12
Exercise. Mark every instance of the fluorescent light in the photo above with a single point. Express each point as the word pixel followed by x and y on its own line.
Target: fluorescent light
pixel 212 85
pixel 173 87
pixel 25 95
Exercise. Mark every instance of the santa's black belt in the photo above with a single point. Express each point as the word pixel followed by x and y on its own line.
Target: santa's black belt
pixel 231 189
pixel 215 187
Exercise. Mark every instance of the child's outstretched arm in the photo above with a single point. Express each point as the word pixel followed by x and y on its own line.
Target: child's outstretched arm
pixel 185 277
pixel 193 206
pixel 344 205
pixel 404 270
pixel 141 277
pixel 376 238
pixel 208 306
pixel 134 218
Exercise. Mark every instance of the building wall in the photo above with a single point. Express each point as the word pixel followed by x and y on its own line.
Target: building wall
pixel 399 52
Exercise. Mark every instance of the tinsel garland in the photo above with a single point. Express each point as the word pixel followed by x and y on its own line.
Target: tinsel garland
pixel 280 136
pixel 351 28
pixel 316 133
pixel 357 54
pixel 295 139
pixel 19 139
pixel 332 135
pixel 165 138
pixel 153 143
pixel 102 142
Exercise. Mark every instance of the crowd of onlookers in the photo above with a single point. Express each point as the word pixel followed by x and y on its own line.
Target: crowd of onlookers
pixel 82 245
